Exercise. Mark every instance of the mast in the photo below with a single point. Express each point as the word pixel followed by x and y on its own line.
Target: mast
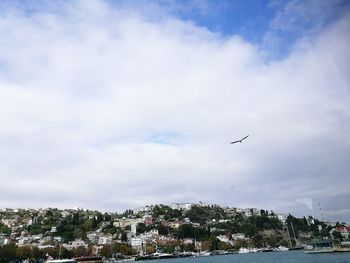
pixel 59 253
pixel 294 234
pixel 321 211
pixel 290 241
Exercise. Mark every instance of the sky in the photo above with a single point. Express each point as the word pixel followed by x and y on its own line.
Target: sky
pixel 112 105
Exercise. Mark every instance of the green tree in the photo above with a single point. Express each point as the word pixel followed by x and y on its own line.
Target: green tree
pixel 4 229
pixel 106 251
pixel 162 230
pixel 185 231
pixel 7 253
pixel 124 237
pixel 24 252
pixel 140 228
pixel 337 236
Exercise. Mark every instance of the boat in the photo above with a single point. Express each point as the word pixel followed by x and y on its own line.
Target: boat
pixel 124 260
pixel 157 255
pixel 243 250
pixel 265 249
pixel 297 246
pixel 184 254
pixel 89 259
pixel 320 246
pixel 282 248
pixel 60 261
pixel 205 254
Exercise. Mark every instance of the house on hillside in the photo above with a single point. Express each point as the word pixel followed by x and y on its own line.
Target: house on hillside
pixel 343 230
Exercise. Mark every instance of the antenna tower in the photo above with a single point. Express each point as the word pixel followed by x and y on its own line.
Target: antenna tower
pixel 321 211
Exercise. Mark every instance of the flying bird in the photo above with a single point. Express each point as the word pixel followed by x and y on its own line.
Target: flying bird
pixel 240 141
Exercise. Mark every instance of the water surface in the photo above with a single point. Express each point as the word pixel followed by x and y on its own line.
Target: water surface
pixel 271 257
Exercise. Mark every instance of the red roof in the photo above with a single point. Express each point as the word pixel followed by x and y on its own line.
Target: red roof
pixel 343 228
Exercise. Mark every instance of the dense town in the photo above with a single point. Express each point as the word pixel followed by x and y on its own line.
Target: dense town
pixel 177 228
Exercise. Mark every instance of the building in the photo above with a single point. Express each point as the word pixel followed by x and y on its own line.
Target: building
pixel 93 237
pixel 181 206
pixel 133 229
pixel 282 218
pixel 148 219
pixel 75 244
pixel 136 243
pixel 238 236
pixel 251 212
pixel 224 239
pixel 105 240
pixel 3 240
pixel 343 230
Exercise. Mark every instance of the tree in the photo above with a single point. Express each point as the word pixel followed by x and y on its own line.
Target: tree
pixel 140 228
pixel 7 253
pixel 106 251
pixel 337 236
pixel 124 237
pixel 248 229
pixel 185 231
pixel 162 230
pixel 37 253
pixel 107 217
pixel 4 229
pixel 23 252
pixel 258 240
pixel 206 245
pixel 122 248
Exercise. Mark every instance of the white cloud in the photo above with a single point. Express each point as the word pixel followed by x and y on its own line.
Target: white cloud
pixel 83 92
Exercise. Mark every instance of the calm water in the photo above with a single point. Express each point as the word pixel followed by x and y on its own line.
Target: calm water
pixel 290 256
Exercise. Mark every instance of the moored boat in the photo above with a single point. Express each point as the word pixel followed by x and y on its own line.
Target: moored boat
pixel 60 261
pixel 282 249
pixel 243 250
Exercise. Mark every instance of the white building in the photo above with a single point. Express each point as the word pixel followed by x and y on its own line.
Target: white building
pixel 136 242
pixel 58 239
pixel 238 236
pixel 224 239
pixel 65 214
pixel 251 212
pixel 133 229
pixel 282 218
pixel 145 209
pixel 75 244
pixel 105 240
pixel 181 206
pixel 3 240
pixel 124 222
pixel 93 237
pixel 24 241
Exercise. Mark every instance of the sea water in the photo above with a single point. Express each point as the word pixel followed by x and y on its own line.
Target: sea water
pixel 267 257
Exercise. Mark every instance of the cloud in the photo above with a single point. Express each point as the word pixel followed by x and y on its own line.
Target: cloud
pixel 297 19
pixel 100 104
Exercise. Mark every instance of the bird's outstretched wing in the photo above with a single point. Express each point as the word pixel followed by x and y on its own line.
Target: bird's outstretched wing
pixel 245 137
pixel 240 140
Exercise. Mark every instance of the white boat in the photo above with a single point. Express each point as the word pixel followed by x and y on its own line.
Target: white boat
pixel 243 250
pixel 205 254
pixel 282 248
pixel 60 261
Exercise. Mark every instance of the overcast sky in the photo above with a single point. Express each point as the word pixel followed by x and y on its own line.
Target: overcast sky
pixel 114 105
